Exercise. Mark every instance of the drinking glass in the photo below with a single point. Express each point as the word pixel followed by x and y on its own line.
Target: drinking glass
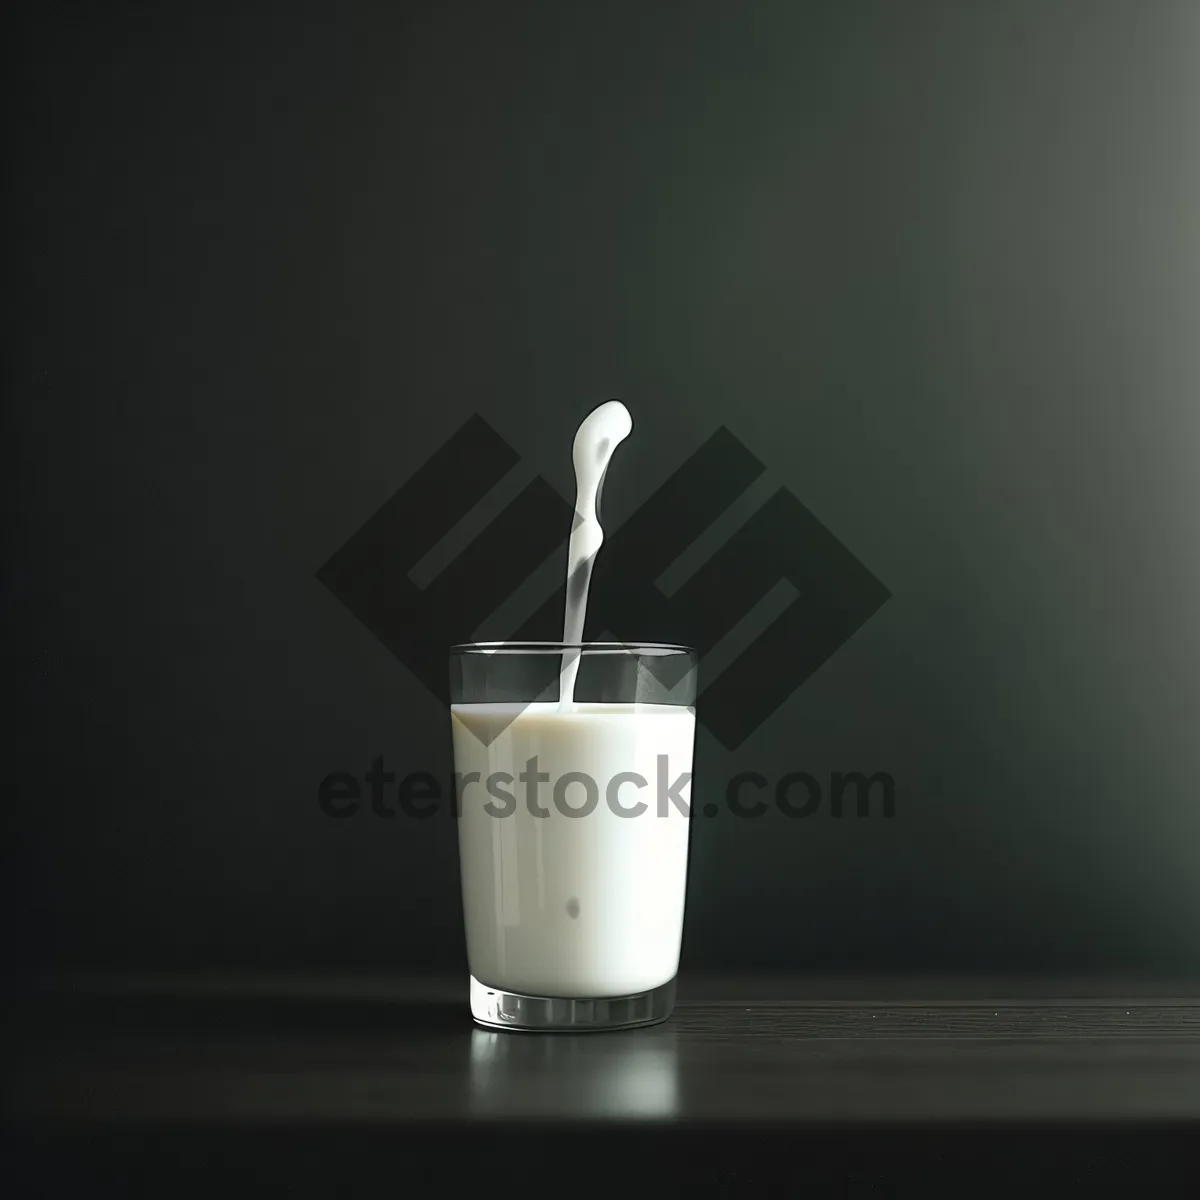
pixel 573 797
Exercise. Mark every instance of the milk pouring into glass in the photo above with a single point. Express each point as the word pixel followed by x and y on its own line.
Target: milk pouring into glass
pixel 574 763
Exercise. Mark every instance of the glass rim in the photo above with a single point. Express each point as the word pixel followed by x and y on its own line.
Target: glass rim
pixel 659 649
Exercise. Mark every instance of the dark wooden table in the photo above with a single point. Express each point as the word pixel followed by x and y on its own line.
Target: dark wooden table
pixel 160 1083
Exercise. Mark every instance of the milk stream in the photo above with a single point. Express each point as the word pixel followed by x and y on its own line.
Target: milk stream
pixel 601 432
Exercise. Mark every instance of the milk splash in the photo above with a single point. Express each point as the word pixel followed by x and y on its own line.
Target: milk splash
pixel 596 439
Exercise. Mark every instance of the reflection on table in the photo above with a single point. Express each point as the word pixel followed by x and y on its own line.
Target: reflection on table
pixel 623 1076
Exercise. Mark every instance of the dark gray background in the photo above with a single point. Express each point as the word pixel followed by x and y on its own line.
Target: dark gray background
pixel 937 265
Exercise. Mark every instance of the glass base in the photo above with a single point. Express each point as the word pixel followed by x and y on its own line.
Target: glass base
pixel 498 1009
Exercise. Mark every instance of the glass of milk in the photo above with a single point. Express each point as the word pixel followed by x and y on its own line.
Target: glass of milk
pixel 573 778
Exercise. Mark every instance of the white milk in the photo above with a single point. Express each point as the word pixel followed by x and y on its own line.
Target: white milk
pixel 584 906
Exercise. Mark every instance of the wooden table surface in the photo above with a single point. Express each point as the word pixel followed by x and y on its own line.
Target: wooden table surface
pixel 847 1081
